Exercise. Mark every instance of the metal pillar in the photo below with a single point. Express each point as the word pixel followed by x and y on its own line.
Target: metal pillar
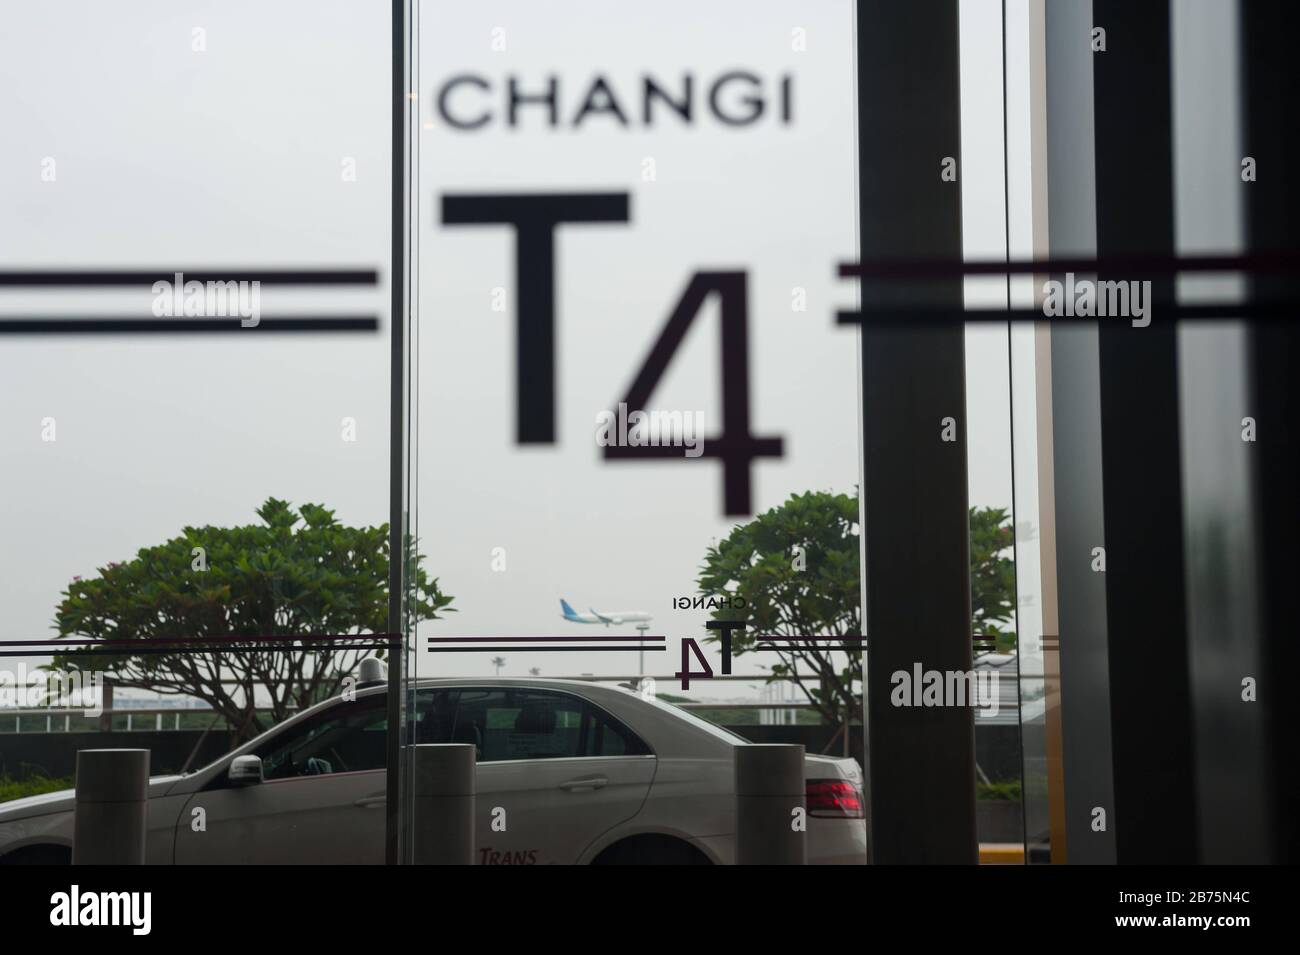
pixel 112 807
pixel 1154 815
pixel 395 843
pixel 1219 492
pixel 920 760
pixel 770 789
pixel 442 803
pixel 1075 417
pixel 1272 86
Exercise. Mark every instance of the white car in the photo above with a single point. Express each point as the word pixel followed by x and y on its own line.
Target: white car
pixel 585 774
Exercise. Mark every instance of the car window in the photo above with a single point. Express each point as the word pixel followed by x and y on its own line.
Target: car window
pixel 434 718
pixel 346 738
pixel 608 737
pixel 521 723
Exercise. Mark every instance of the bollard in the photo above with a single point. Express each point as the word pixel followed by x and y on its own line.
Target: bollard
pixel 112 807
pixel 106 707
pixel 769 787
pixel 443 804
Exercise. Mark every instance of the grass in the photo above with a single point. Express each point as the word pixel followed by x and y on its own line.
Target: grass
pixel 1008 791
pixel 11 788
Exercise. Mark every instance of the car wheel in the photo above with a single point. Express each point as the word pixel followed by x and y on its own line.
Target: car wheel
pixel 652 850
pixel 39 855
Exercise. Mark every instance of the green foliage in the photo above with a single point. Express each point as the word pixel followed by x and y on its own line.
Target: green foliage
pixel 993 576
pixel 1007 791
pixel 758 562
pixel 296 573
pixel 11 788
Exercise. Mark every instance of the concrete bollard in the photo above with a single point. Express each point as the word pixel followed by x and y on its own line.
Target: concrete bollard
pixel 769 788
pixel 112 807
pixel 443 803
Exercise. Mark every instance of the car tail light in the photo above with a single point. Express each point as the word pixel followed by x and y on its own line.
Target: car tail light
pixel 835 798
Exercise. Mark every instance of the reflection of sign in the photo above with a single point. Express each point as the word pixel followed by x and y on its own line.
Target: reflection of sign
pixel 535 218
pixel 470 101
pixel 618 204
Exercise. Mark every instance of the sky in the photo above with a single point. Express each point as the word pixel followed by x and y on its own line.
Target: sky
pixel 225 135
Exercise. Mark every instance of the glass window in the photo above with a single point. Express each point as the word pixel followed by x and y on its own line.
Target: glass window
pixel 508 723
pixel 434 718
pixel 608 738
pixel 347 739
pixel 519 724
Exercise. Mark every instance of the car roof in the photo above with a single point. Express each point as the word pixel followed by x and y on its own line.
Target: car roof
pixel 585 686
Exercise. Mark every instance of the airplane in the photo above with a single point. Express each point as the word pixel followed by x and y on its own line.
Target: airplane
pixel 608 618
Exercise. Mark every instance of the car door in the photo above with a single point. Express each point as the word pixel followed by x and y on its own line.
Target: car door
pixel 555 772
pixel 321 801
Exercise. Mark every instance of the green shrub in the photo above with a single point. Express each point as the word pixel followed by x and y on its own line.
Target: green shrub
pixel 1008 791
pixel 11 788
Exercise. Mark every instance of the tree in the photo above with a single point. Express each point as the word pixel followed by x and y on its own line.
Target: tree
pixel 797 569
pixel 993 576
pixel 298 573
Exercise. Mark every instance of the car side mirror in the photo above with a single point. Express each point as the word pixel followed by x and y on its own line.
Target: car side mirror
pixel 245 771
